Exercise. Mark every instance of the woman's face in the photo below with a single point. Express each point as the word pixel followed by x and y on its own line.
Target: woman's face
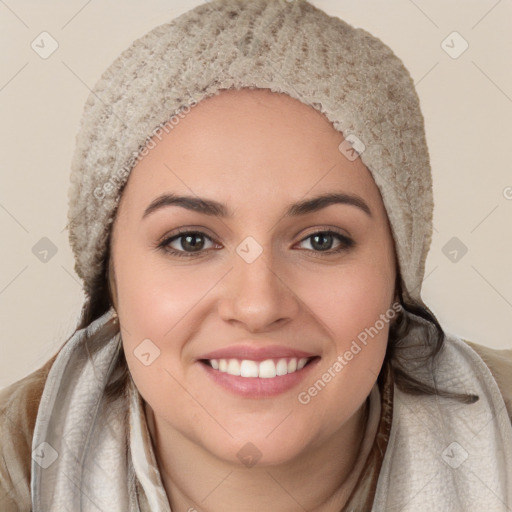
pixel 250 273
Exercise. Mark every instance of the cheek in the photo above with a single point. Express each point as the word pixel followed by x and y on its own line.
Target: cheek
pixel 155 294
pixel 350 298
pixel 354 304
pixel 158 311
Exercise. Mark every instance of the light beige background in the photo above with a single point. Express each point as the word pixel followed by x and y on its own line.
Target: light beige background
pixel 466 101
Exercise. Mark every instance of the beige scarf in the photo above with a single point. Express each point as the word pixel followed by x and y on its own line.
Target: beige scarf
pixel 441 455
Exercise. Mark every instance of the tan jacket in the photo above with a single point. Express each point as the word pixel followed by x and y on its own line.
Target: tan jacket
pixel 19 406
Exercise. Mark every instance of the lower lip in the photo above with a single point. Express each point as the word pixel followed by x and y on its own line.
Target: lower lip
pixel 255 387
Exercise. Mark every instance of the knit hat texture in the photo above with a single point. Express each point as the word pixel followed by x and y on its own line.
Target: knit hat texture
pixel 291 47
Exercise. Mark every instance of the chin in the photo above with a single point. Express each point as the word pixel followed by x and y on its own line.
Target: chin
pixel 261 443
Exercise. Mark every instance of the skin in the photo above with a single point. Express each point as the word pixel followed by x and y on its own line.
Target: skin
pixel 257 152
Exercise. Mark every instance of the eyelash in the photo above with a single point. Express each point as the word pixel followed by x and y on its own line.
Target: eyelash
pixel 346 243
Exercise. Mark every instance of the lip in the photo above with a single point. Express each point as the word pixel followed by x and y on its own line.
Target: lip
pixel 256 387
pixel 256 353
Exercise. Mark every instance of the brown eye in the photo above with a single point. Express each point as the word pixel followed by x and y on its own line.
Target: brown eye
pixel 191 242
pixel 322 241
pixel 186 243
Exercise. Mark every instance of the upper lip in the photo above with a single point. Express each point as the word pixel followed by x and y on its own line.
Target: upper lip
pixel 256 353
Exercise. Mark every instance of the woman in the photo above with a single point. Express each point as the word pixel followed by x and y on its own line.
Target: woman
pixel 251 220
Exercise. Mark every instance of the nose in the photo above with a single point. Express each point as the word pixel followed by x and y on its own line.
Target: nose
pixel 257 296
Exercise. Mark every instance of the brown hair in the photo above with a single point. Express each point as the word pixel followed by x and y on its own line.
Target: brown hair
pixel 401 363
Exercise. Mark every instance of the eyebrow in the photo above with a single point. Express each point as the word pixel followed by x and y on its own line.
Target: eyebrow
pixel 216 209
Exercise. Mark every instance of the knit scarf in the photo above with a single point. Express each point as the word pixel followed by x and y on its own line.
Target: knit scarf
pixel 442 455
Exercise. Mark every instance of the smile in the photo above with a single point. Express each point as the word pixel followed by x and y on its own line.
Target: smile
pixel 267 369
pixel 259 379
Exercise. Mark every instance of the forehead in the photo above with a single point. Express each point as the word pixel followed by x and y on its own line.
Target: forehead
pixel 249 145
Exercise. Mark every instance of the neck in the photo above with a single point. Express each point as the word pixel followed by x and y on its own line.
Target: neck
pixel 196 480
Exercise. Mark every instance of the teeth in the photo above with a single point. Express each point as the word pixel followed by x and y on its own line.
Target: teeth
pixel 233 367
pixel 282 367
pixel 302 362
pixel 267 369
pixel 249 368
pixel 292 365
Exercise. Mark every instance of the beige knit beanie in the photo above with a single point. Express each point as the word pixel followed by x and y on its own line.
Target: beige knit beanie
pixel 285 46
